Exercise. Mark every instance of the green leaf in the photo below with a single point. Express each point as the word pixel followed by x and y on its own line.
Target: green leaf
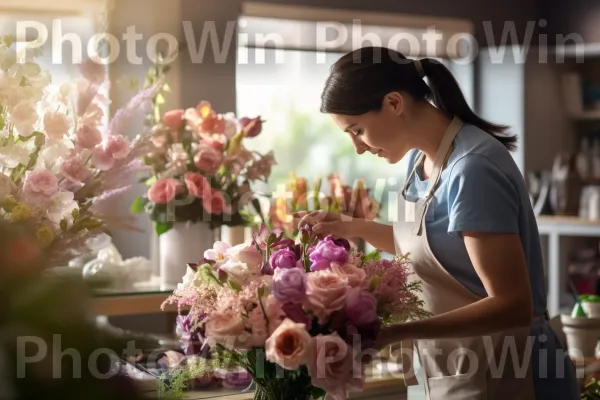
pixel 160 99
pixel 162 227
pixel 2 123
pixel 64 225
pixel 317 393
pixel 75 213
pixel 137 207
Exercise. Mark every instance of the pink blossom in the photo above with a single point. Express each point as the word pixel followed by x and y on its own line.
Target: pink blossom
pixel 117 146
pixel 74 170
pixel 263 326
pixel 88 137
pixel 214 203
pixel 208 159
pixel 40 185
pixel 102 159
pixel 326 292
pixel 56 125
pixel 289 346
pixel 163 190
pixel 174 119
pixel 197 184
pixel 335 367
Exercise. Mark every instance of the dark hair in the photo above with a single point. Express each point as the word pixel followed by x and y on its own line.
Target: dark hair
pixel 360 79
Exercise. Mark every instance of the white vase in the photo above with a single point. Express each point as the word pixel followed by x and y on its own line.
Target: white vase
pixel 233 235
pixel 184 243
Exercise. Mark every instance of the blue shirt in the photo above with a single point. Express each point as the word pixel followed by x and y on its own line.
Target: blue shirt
pixel 481 189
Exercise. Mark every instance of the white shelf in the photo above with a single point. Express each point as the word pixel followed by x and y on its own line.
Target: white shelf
pixel 568 226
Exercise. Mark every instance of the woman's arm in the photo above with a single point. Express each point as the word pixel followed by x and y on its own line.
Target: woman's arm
pixel 500 263
pixel 378 235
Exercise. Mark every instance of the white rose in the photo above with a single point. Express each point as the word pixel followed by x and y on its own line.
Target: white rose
pixel 56 125
pixel 7 186
pixel 61 207
pixel 237 272
pixel 188 279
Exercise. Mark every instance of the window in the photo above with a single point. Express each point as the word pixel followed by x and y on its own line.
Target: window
pixel 281 71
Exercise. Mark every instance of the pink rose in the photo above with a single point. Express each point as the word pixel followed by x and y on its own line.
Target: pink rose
pixel 214 203
pixel 289 345
pixel 326 292
pixel 361 307
pixel 197 184
pixel 40 185
pixel 163 190
pixel 174 119
pixel 88 137
pixel 208 159
pixel 335 367
pixel 74 170
pixel 102 159
pixel 227 328
pixel 354 276
pixel 117 146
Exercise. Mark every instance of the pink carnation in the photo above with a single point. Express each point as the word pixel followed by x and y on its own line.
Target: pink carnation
pixel 74 170
pixel 117 146
pixel 88 137
pixel 40 185
pixel 102 159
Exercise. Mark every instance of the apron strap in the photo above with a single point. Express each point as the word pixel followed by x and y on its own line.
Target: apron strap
pixel 436 173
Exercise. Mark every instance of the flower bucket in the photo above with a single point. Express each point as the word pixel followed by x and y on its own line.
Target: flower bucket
pixel 184 243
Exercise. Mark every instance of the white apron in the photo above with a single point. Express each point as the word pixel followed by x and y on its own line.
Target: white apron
pixel 456 368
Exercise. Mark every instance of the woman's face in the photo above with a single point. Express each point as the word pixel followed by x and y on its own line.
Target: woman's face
pixel 382 133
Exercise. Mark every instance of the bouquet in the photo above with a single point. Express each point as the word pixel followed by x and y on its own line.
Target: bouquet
pixel 278 308
pixel 343 199
pixel 62 168
pixel 201 170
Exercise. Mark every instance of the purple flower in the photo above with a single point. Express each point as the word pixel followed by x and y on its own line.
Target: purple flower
pixel 267 269
pixel 361 307
pixel 325 252
pixel 295 312
pixel 283 258
pixel 289 284
pixel 192 342
pixel 342 243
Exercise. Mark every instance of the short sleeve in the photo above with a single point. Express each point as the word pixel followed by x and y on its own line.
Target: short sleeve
pixel 481 198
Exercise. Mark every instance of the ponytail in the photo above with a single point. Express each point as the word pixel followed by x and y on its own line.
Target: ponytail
pixel 448 97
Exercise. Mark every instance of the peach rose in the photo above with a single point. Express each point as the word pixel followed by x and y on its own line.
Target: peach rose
pixel 353 275
pixel 163 190
pixel 227 328
pixel 335 367
pixel 197 184
pixel 174 119
pixel 289 346
pixel 326 292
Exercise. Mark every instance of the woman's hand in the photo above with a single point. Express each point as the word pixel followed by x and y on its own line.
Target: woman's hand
pixel 327 223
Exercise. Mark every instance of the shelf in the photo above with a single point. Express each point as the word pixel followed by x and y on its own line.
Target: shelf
pixel 591 115
pixel 574 50
pixel 569 226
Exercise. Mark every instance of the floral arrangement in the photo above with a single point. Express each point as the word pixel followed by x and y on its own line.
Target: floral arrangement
pixel 276 308
pixel 62 168
pixel 344 199
pixel 201 170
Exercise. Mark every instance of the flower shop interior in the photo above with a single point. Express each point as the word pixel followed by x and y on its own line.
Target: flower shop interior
pixel 125 123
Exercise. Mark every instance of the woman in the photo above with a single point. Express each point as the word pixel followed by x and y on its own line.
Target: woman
pixel 469 228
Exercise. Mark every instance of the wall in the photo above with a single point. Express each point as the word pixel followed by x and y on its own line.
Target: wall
pixel 576 16
pixel 474 10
